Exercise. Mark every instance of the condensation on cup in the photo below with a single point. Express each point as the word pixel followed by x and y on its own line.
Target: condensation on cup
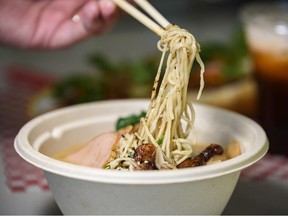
pixel 266 28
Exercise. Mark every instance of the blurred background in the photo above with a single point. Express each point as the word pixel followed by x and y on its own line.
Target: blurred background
pixel 122 64
pixel 129 53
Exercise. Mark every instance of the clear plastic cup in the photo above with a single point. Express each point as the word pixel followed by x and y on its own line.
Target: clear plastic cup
pixel 266 27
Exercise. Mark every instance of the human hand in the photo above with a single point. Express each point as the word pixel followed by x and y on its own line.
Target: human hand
pixel 51 24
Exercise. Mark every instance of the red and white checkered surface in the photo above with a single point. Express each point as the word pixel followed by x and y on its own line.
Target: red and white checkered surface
pixel 15 90
pixel 20 176
pixel 270 167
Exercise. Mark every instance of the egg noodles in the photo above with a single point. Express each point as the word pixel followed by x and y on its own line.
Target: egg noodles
pixel 170 117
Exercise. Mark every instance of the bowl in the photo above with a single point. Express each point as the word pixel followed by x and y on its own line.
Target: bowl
pixel 85 190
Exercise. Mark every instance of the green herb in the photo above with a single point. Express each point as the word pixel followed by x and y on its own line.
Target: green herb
pixel 131 155
pixel 129 120
pixel 160 140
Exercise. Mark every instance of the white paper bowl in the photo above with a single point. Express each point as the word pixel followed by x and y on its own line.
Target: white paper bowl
pixel 84 190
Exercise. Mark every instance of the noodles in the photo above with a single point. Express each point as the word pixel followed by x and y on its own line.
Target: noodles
pixel 169 119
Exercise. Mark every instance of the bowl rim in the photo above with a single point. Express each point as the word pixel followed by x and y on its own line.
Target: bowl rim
pixel 31 155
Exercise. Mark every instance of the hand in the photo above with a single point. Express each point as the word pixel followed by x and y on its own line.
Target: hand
pixel 51 24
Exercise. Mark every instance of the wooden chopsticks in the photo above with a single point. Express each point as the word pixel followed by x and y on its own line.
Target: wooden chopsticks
pixel 145 20
pixel 145 5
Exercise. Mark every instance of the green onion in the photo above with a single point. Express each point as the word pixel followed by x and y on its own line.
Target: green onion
pixel 160 140
pixel 131 154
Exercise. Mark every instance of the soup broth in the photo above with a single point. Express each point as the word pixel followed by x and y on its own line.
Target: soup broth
pixel 230 151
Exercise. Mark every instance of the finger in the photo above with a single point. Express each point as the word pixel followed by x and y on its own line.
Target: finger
pixel 84 22
pixel 107 8
pixel 98 16
pixel 91 16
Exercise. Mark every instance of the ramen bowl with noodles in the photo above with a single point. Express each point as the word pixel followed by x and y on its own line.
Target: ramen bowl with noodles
pixel 85 190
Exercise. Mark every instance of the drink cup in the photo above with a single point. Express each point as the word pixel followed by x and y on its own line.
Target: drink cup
pixel 266 28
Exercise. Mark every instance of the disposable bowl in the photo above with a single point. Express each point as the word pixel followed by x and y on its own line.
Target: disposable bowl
pixel 85 190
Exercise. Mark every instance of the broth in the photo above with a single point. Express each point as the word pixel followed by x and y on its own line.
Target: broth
pixel 230 151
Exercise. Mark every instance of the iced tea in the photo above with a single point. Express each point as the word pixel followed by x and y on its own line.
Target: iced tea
pixel 267 36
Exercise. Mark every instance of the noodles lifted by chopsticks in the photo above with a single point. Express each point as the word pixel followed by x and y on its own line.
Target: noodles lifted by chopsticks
pixel 170 118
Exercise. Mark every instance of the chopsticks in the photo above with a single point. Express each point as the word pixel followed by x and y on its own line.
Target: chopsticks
pixel 145 20
pixel 144 4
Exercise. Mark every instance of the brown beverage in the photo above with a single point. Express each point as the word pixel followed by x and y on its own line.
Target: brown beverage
pixel 267 35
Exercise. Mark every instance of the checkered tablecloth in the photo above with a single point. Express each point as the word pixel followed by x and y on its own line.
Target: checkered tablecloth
pixel 269 168
pixel 15 91
pixel 16 88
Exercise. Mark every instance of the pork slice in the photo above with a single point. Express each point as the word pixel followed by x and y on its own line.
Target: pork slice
pixel 96 152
